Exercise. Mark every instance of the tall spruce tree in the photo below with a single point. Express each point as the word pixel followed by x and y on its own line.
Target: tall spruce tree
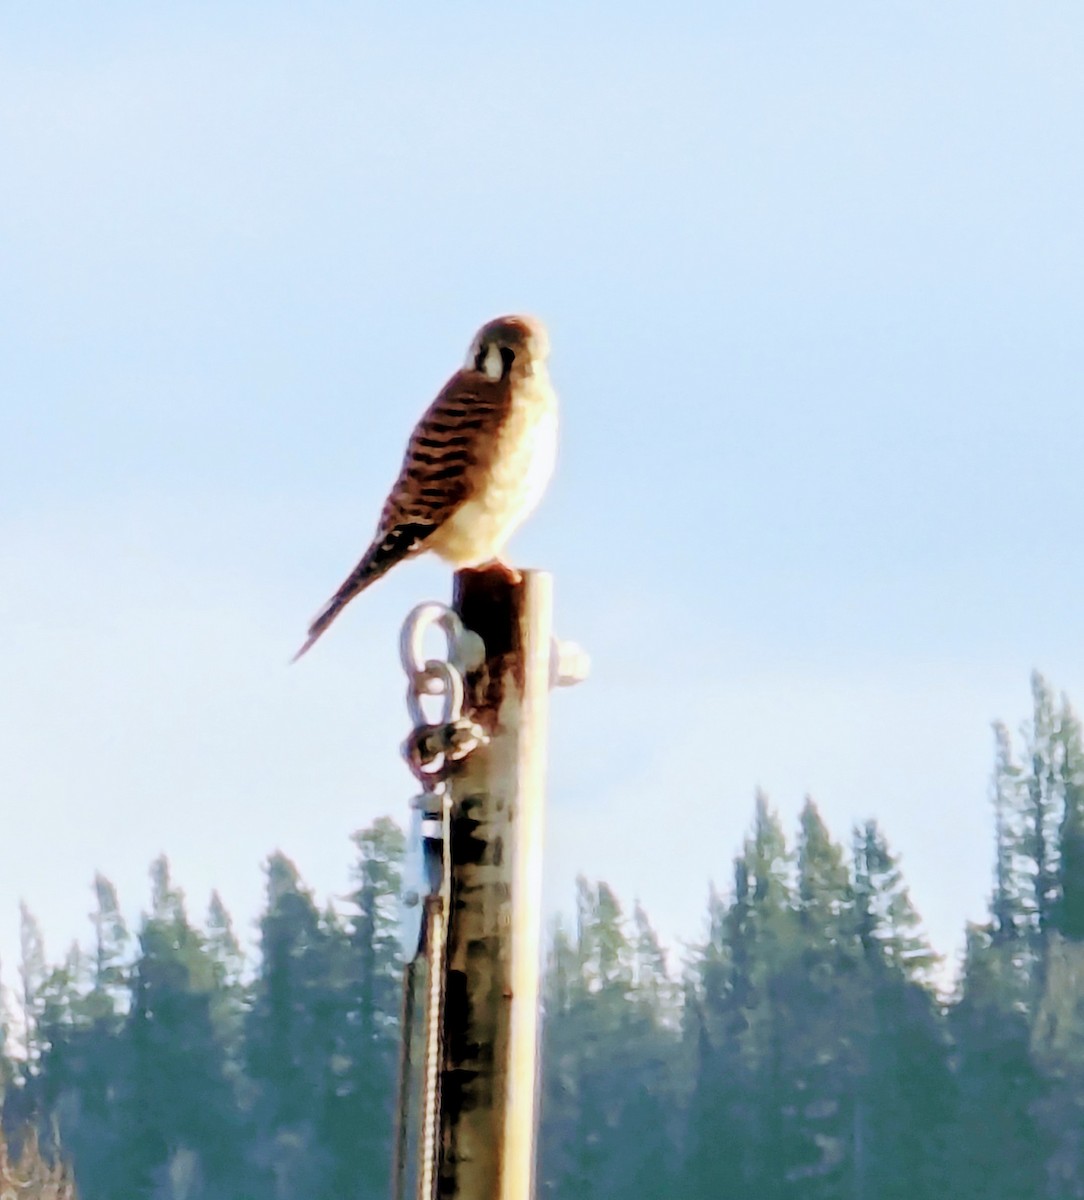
pixel 292 1033
pixel 1011 1024
pixel 1043 808
pixel 1057 1028
pixel 7 1067
pixel 608 1091
pixel 228 995
pixel 108 994
pixel 1057 1054
pixel 998 1149
pixel 824 894
pixel 61 1031
pixel 904 1101
pixel 889 928
pixel 721 993
pixel 86 1068
pixel 180 1117
pixel 560 992
pixel 741 1137
pixel 1071 830
pixel 823 1001
pixel 1007 908
pixel 32 974
pixel 360 1112
pixel 61 994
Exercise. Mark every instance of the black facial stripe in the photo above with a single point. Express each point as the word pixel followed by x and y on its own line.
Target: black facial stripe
pixel 480 358
pixel 507 357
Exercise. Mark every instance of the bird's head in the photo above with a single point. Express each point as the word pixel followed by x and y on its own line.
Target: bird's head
pixel 509 345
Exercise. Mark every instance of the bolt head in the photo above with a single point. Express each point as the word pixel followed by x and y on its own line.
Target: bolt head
pixel 569 664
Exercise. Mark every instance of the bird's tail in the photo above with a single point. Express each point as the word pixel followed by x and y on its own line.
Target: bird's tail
pixel 358 579
pixel 381 556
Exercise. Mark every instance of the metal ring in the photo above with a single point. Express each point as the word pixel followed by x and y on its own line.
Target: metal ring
pixel 450 692
pixel 415 627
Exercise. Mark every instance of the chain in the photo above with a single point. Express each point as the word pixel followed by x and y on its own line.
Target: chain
pixel 431 751
pixel 433 746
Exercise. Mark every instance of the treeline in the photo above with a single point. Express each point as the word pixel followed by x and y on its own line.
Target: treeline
pixel 800 1052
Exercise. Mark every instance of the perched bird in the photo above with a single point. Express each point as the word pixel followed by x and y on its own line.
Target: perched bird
pixel 476 465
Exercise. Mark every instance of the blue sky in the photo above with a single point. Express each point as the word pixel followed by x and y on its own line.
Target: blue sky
pixel 814 277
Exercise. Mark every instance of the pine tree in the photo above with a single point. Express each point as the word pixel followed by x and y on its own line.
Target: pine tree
pixel 998 1148
pixel 888 925
pixel 825 897
pixel 292 1034
pixel 649 1130
pixel 597 994
pixel 85 1070
pixel 60 999
pixel 608 1058
pixel 721 996
pixel 61 1027
pixel 222 944
pixel 7 1067
pixel 1071 832
pixel 769 865
pixel 560 992
pixel 110 954
pixel 1057 1032
pixel 179 1109
pixel 32 973
pixel 1018 1036
pixel 1008 909
pixel 905 1100
pixel 360 1118
pixel 824 1001
pixel 741 1138
pixel 228 995
pixel 1057 1053
pixel 653 987
pixel 1043 812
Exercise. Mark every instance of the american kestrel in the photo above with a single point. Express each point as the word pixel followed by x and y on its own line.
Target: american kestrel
pixel 476 465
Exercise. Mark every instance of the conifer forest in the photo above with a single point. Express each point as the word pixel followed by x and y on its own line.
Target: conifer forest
pixel 801 1051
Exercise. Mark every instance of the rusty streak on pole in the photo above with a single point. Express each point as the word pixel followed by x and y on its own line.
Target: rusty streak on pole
pixel 491 1000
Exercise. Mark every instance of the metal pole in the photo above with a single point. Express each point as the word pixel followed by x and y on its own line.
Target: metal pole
pixel 491 992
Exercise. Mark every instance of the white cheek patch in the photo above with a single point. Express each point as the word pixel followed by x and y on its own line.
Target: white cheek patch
pixel 492 365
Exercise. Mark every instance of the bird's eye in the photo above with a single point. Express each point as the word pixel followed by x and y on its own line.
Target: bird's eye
pixel 507 358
